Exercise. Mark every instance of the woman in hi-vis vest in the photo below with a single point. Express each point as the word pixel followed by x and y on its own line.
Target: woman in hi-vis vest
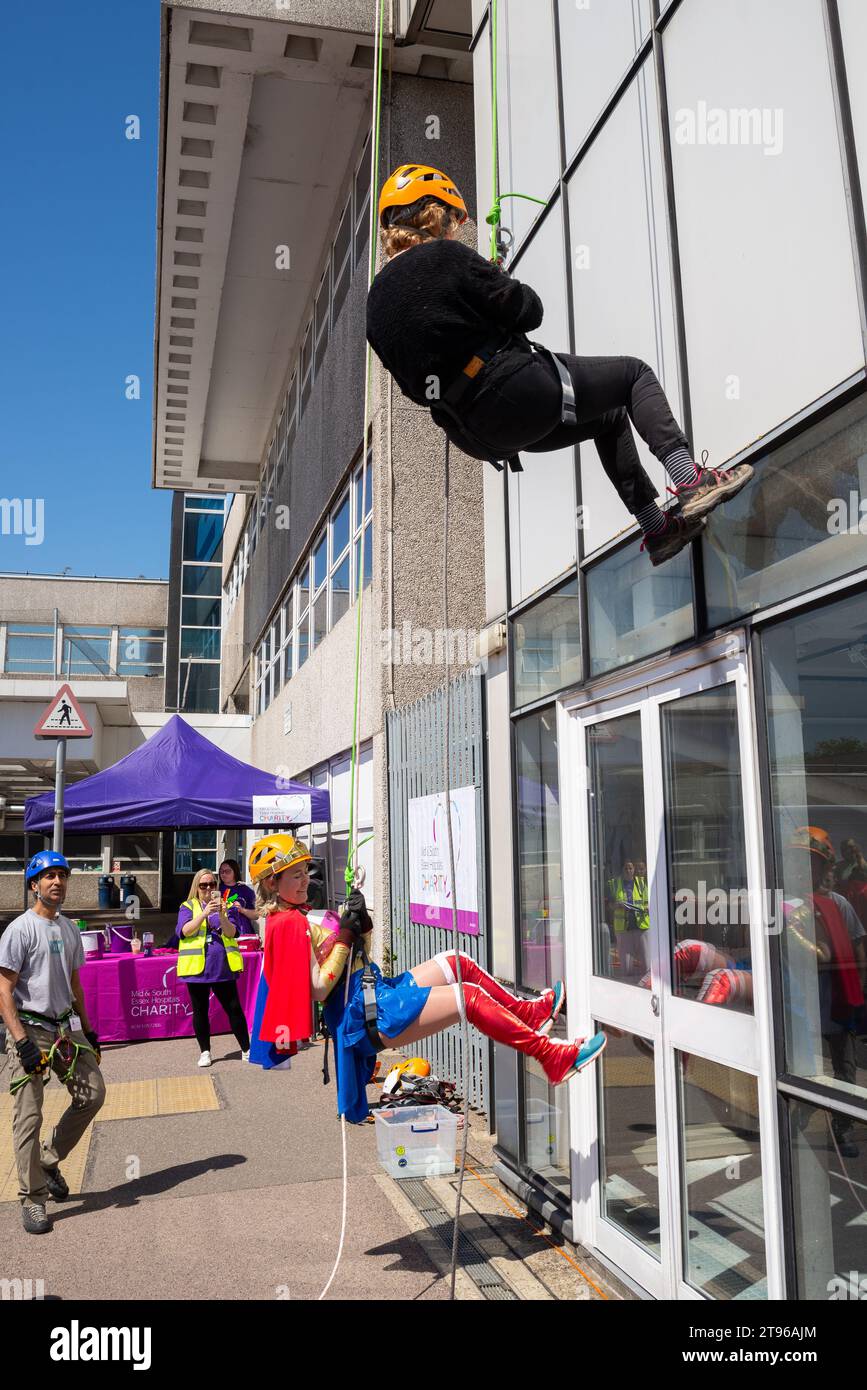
pixel 209 959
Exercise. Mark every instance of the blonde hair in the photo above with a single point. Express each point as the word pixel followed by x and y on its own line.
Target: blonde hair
pixel 436 219
pixel 194 889
pixel 266 898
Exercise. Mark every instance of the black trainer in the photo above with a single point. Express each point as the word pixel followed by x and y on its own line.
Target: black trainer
pixel 678 532
pixel 56 1184
pixel 34 1219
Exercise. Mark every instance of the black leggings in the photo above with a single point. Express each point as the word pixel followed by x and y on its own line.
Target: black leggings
pixel 227 995
pixel 523 413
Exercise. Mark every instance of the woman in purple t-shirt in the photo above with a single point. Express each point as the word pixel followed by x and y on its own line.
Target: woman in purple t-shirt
pixel 204 902
pixel 243 911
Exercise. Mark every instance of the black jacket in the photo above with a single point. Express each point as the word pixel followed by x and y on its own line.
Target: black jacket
pixel 431 307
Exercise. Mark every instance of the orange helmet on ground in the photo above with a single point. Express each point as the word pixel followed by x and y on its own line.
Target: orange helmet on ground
pixel 274 853
pixel 410 182
pixel 816 840
pixel 413 1066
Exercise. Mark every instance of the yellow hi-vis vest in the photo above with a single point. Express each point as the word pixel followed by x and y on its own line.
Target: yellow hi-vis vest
pixel 639 916
pixel 191 949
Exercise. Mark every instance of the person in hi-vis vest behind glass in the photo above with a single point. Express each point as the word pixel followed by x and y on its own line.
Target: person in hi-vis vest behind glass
pixel 628 899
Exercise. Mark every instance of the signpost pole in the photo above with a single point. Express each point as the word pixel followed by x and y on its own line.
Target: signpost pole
pixel 59 784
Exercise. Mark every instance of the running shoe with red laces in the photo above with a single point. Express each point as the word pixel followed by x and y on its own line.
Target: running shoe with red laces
pixel 711 487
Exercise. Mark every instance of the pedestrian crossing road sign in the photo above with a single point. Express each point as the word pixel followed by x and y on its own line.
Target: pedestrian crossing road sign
pixel 63 718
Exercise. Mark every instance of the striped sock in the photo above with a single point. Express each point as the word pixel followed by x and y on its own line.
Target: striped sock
pixel 651 519
pixel 681 467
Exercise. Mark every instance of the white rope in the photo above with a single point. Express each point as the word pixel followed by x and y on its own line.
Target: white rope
pixel 465 1032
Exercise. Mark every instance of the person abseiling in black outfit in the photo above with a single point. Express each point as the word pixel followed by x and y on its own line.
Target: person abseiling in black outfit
pixel 451 328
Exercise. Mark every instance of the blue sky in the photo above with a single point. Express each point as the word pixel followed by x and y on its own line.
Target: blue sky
pixel 78 244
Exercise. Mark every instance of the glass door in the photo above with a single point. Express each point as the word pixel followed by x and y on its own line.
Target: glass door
pixel 668 958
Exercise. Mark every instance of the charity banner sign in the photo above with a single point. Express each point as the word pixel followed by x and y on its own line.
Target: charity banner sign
pixel 430 889
pixel 287 809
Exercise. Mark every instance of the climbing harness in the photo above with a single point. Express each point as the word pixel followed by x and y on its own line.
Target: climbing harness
pixel 64 1048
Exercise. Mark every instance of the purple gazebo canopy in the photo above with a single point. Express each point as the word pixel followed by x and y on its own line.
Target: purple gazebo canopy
pixel 178 778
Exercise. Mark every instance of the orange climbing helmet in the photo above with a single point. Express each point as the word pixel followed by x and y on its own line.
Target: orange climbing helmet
pixel 814 839
pixel 409 183
pixel 274 853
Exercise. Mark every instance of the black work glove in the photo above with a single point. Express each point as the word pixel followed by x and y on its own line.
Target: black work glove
pixel 29 1054
pixel 93 1039
pixel 355 915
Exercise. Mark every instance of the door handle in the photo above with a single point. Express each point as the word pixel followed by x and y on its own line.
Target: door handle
pixel 654 1004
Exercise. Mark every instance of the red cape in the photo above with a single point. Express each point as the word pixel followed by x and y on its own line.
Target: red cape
pixel 288 1013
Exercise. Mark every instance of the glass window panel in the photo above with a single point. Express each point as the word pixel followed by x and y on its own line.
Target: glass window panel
pixel 635 610
pixel 84 852
pixel 200 612
pixel 307 351
pixel 815 668
pixel 201 579
pixel 542 516
pixel 40 629
pixel 203 536
pixel 529 142
pixel 199 687
pixel 30 653
pixel 343 239
pixel 205 504
pixel 628 1156
pixel 320 563
pixel 618 851
pixel 138 850
pixel 303 642
pixel 85 655
pixel 368 556
pixel 539 853
pixel 723 1231
pixel 305 391
pixel 303 589
pixel 141 632
pixel 321 307
pixel 320 616
pixel 341 285
pixel 363 494
pixel 709 908
pixel 201 641
pixel 340 529
pixel 340 591
pixel 598 42
pixel 546 1122
pixel 12 854
pixel 362 179
pixel 829 1180
pixel 622 239
pixel 287 660
pixel 362 234
pixel 729 59
pixel 801 522
pixel 547 645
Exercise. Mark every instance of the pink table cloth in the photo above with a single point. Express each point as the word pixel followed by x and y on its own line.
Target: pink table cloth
pixel 135 998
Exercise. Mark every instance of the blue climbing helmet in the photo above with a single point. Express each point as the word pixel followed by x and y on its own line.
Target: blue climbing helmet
pixel 45 859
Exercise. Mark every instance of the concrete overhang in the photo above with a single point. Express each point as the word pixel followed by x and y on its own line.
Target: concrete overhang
pixel 261 120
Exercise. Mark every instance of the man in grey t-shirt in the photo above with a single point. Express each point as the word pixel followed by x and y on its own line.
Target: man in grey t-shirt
pixel 41 1000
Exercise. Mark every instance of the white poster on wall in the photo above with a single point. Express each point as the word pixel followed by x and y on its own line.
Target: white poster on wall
pixel 430 890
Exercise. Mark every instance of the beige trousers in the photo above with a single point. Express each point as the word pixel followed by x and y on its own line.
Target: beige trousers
pixel 87 1090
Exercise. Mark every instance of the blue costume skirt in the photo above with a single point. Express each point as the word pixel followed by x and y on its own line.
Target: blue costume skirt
pixel 263 1054
pixel 398 1004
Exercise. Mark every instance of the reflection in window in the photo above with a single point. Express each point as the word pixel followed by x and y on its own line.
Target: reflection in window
pixel 628 1158
pixel 86 651
pixel 816 694
pixel 547 644
pixel 620 883
pixel 706 852
pixel 195 849
pixel 829 1180
pixel 539 858
pixel 723 1230
pixel 30 647
pixel 796 525
pixel 546 1121
pixel 635 610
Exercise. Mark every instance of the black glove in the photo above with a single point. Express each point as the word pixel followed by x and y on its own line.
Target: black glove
pixel 355 915
pixel 29 1054
pixel 93 1039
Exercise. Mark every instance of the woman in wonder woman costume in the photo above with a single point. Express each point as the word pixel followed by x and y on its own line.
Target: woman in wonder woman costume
pixel 305 960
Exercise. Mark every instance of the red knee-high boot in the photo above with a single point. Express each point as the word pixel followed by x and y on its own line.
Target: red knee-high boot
pixel 559 1060
pixel 536 1013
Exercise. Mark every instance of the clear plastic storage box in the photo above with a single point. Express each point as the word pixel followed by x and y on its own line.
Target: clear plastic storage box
pixel 416 1141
